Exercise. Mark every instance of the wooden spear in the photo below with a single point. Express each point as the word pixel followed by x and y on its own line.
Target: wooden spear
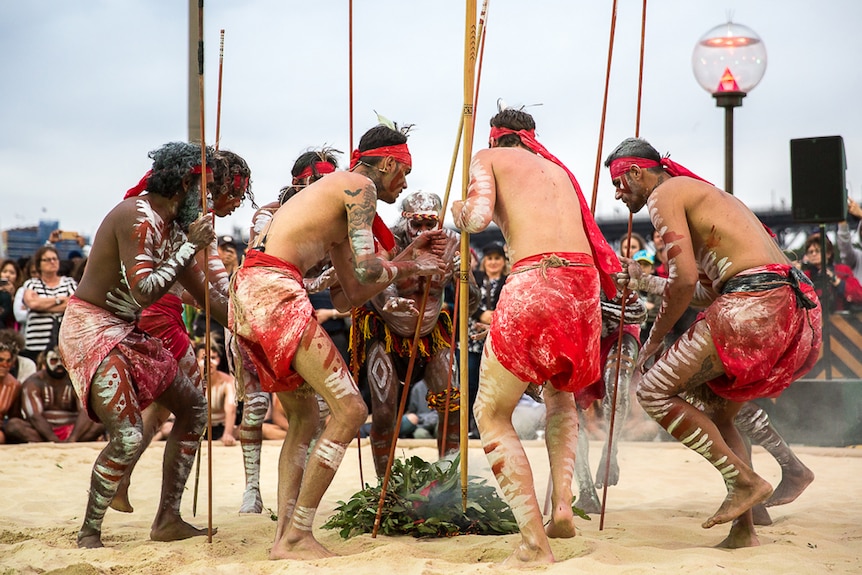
pixel 207 341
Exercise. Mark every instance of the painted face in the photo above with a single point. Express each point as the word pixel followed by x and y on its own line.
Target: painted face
pixel 215 359
pixel 55 364
pixel 630 193
pixel 397 183
pixel 418 223
pixel 226 204
pixel 5 363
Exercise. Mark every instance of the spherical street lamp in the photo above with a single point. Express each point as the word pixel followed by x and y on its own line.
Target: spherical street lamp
pixel 728 62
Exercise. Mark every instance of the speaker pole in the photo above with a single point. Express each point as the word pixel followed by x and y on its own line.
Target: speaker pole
pixel 826 304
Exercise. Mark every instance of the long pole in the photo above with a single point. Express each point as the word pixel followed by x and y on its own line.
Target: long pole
pixel 218 102
pixel 207 340
pixel 604 108
pixel 625 294
pixel 463 300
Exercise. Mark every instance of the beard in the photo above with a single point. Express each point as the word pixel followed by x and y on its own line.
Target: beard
pixel 189 209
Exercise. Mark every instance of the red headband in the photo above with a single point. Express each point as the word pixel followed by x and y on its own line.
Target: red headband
pixel 322 168
pixel 240 183
pixel 620 166
pixel 605 258
pixel 398 151
pixel 138 189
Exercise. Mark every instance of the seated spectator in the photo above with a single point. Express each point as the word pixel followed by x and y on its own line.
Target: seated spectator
pixel 222 394
pixel 51 410
pixel 10 387
pixel 420 421
pixel 845 291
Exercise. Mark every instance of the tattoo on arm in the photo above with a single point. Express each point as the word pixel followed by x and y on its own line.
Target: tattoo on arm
pixel 360 215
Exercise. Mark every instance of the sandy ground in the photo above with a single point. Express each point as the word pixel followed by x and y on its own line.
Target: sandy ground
pixel 652 522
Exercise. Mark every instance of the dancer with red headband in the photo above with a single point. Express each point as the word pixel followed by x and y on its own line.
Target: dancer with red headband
pixel 271 317
pixel 144 245
pixel 309 167
pixel 164 319
pixel 547 323
pixel 383 332
pixel 759 331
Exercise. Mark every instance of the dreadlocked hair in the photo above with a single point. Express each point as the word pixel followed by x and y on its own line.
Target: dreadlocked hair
pixel 171 163
pixel 228 165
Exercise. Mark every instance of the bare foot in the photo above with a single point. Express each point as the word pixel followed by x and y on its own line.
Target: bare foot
pixel 562 525
pixel 794 480
pixel 176 531
pixel 761 515
pixel 304 548
pixel 527 556
pixel 740 499
pixel 740 536
pixel 251 501
pixel 613 472
pixel 120 502
pixel 588 502
pixel 91 541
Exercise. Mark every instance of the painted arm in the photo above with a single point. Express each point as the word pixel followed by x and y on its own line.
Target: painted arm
pixel 669 217
pixel 194 281
pixel 475 214
pixel 152 262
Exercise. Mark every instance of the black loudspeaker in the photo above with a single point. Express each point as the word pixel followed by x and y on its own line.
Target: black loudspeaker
pixel 818 189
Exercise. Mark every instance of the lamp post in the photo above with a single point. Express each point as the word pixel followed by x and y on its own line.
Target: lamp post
pixel 728 62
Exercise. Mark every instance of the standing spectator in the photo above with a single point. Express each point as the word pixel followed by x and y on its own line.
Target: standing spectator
pixel 10 387
pixel 10 280
pixel 21 310
pixel 851 255
pixel 630 246
pixel 845 291
pixel 45 297
pixel 490 277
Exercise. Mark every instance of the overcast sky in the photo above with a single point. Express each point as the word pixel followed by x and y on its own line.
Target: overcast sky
pixel 89 87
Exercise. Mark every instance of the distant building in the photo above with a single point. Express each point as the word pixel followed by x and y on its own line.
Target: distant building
pixel 23 242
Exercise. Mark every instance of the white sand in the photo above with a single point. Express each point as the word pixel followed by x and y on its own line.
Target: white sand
pixel 652 524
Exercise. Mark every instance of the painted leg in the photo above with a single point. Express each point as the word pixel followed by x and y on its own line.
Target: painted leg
pixel 113 399
pixel 320 364
pixel 588 499
pixel 742 532
pixel 499 393
pixel 254 411
pixel 561 439
pixel 754 423
pixel 189 406
pixel 301 410
pixel 154 417
pixel 383 383
pixel 437 377
pixel 628 357
pixel 690 362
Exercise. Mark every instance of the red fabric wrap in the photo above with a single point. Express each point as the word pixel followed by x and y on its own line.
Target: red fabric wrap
pixel 399 151
pixel 89 333
pixel 596 391
pixel 321 167
pixel 620 166
pixel 164 320
pixel 382 233
pixel 603 254
pixel 139 188
pixel 764 340
pixel 269 312
pixel 541 331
